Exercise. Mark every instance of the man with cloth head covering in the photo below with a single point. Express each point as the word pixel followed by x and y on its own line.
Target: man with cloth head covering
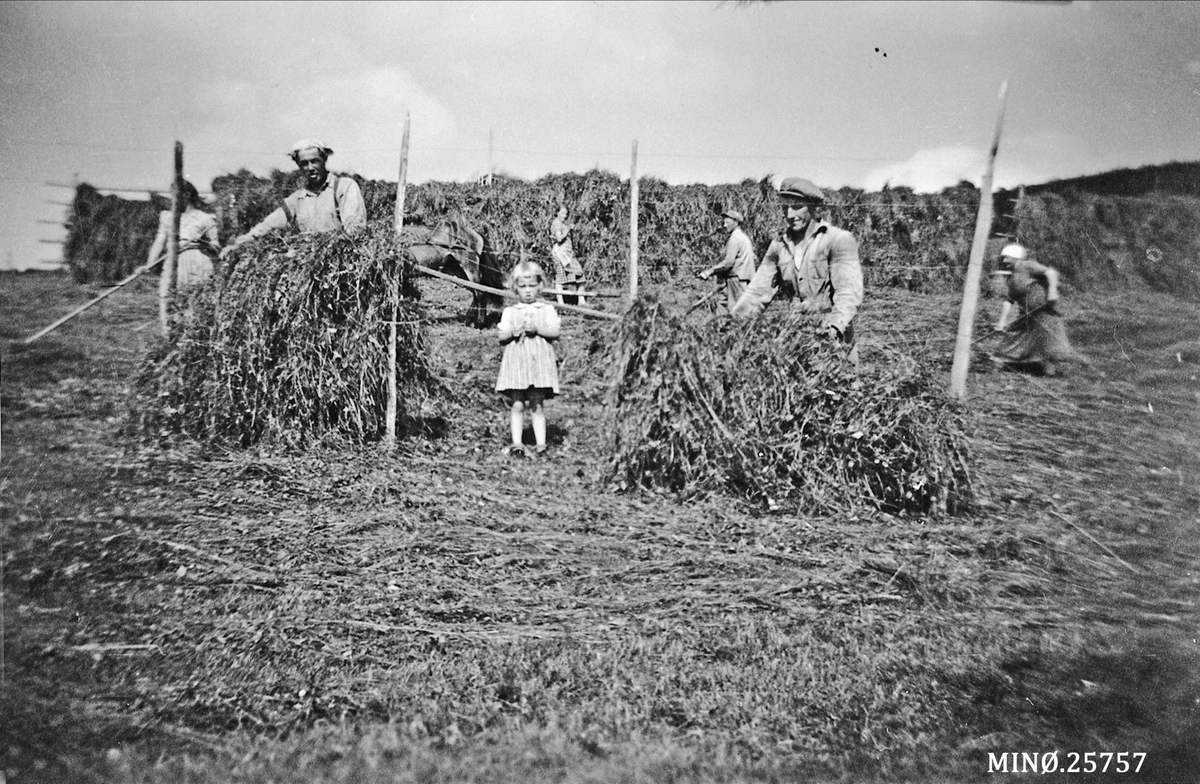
pixel 812 263
pixel 325 203
pixel 737 268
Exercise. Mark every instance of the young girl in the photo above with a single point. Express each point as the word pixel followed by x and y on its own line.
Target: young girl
pixel 529 369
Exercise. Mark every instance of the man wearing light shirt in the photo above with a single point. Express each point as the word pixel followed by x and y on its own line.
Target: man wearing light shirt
pixel 737 268
pixel 325 203
pixel 812 263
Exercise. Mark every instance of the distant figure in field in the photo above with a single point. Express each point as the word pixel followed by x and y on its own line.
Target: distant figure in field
pixel 325 203
pixel 198 243
pixel 568 271
pixel 737 268
pixel 812 263
pixel 529 368
pixel 1037 336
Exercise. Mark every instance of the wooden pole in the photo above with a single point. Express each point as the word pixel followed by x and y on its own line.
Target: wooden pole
pixel 466 284
pixel 402 179
pixel 47 330
pixel 491 158
pixel 389 440
pixel 171 266
pixel 983 225
pixel 633 227
pixel 598 293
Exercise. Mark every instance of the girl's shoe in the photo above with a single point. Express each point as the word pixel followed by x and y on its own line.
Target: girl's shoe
pixel 515 451
pixel 540 449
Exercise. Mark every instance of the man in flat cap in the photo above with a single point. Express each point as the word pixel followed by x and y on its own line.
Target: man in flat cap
pixel 812 263
pixel 737 268
pixel 325 203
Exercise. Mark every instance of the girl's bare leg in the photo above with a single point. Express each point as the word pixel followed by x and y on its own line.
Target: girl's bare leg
pixel 538 415
pixel 516 421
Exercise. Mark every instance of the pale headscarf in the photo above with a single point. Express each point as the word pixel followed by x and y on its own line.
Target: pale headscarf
pixel 310 144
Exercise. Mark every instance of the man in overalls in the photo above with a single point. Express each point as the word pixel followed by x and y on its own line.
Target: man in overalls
pixel 813 264
pixel 325 203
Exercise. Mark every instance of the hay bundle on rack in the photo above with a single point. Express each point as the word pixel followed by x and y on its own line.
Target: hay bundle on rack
pixel 774 413
pixel 107 236
pixel 289 345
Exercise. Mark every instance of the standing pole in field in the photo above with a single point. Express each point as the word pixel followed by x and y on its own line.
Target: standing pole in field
pixel 983 225
pixel 171 265
pixel 491 159
pixel 633 227
pixel 402 179
pixel 401 182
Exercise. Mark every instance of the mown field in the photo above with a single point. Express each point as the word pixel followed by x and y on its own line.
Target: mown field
pixel 445 614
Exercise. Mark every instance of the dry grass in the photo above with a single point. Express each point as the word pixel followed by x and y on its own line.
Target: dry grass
pixel 1108 243
pixel 289 346
pixel 913 241
pixel 444 614
pixel 771 412
pixel 107 236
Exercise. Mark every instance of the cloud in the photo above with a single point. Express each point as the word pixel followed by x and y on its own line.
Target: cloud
pixel 1027 159
pixel 929 170
pixel 360 115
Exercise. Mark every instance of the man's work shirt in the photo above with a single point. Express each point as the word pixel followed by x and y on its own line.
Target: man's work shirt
pixel 338 205
pixel 739 257
pixel 821 273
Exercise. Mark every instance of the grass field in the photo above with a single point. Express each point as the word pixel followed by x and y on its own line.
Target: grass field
pixel 445 614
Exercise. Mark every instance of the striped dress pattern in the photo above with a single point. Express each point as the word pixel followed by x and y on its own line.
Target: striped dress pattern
pixel 567 269
pixel 529 361
pixel 197 240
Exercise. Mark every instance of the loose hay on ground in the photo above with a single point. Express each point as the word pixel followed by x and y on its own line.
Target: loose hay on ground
pixel 771 412
pixel 289 345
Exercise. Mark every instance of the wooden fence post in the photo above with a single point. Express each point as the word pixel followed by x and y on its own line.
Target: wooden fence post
pixel 171 265
pixel 633 227
pixel 401 182
pixel 983 225
pixel 491 156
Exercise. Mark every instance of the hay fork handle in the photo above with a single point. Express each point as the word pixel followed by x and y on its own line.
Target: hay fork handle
pixel 45 331
pixel 702 300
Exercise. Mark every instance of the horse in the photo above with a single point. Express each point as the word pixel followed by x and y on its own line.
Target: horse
pixel 456 249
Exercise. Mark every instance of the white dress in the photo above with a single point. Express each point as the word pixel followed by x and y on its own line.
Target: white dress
pixel 197 239
pixel 529 361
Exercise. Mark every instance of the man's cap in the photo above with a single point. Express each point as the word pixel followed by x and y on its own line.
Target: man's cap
pixel 1014 251
pixel 737 216
pixel 309 144
pixel 802 189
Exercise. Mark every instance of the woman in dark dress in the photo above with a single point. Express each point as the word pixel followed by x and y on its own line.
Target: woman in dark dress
pixel 1037 337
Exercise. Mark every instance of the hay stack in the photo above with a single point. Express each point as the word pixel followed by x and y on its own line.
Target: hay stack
pixel 289 345
pixel 107 236
pixel 771 412
pixel 1109 243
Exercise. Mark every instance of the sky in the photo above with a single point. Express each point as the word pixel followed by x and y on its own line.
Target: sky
pixel 843 93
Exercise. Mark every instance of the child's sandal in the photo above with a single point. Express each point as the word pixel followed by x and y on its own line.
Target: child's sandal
pixel 540 449
pixel 515 451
